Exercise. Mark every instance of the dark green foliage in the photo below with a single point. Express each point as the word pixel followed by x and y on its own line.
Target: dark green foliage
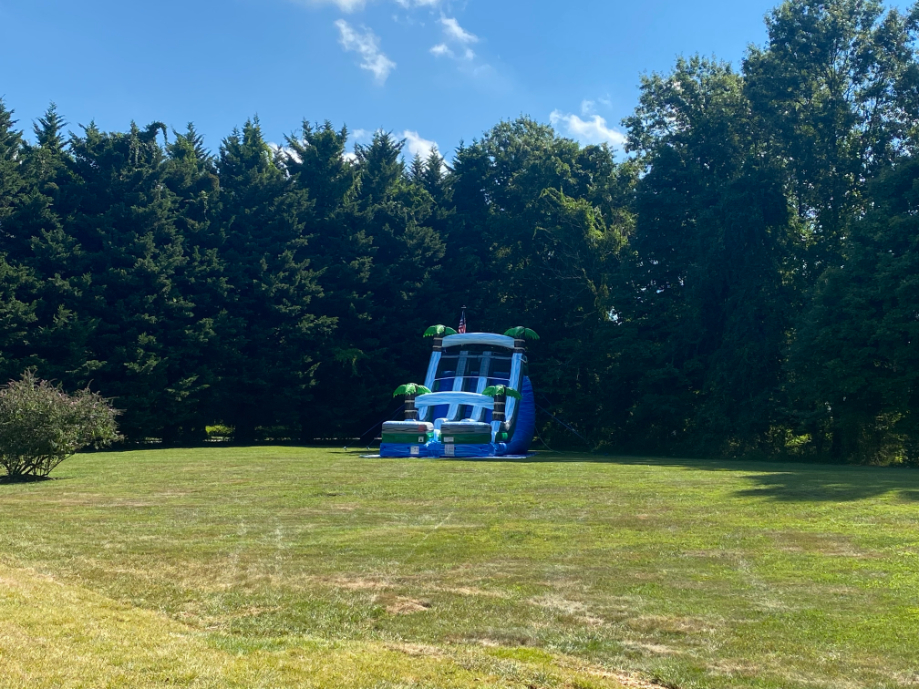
pixel 834 91
pixel 743 283
pixel 41 425
pixel 855 362
pixel 271 336
pixel 705 283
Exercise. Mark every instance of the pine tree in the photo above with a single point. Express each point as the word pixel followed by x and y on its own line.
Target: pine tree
pixel 343 253
pixel 191 175
pixel 17 312
pixel 273 335
pixel 122 216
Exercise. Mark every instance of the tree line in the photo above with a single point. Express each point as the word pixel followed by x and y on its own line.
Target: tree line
pixel 746 281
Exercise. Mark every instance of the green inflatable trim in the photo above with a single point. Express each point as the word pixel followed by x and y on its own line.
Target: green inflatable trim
pixel 467 439
pixel 407 438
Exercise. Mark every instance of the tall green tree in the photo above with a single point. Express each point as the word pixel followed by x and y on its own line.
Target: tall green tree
pixel 536 235
pixel 343 252
pixel 17 313
pixel 396 215
pixel 274 332
pixel 191 175
pixel 834 89
pixel 855 362
pixel 703 309
pixel 120 216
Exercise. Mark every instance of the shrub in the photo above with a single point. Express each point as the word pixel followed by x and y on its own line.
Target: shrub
pixel 41 425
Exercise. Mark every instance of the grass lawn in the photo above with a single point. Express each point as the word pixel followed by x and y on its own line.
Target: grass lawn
pixel 292 567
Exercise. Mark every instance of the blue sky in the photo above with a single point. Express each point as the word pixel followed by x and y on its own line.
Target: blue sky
pixel 433 71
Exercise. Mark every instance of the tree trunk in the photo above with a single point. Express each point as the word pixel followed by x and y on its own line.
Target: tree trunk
pixel 411 414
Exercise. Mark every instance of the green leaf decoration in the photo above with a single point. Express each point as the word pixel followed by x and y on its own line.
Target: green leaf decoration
pixel 498 390
pixel 521 333
pixel 410 389
pixel 439 331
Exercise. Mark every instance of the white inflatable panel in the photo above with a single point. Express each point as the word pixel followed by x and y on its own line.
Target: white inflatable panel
pixel 492 339
pixel 471 398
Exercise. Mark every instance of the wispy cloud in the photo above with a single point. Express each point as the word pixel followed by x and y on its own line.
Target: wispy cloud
pixel 366 44
pixel 442 49
pixel 355 5
pixel 417 145
pixel 458 37
pixel 456 32
pixel 592 130
pixel 343 5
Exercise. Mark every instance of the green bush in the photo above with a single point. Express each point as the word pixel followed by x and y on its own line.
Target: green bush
pixel 41 425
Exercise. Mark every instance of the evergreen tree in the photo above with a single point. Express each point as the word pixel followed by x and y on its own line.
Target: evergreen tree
pixel 402 284
pixel 343 253
pixel 273 334
pixel 16 282
pixel 191 175
pixel 121 216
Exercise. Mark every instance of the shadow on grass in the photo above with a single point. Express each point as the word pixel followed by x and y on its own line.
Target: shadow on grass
pixel 7 480
pixel 781 481
pixel 826 484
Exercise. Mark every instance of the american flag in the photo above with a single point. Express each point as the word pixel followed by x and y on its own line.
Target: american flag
pixel 462 325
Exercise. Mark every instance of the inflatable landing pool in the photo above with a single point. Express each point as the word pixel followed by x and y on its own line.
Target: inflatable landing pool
pixel 476 401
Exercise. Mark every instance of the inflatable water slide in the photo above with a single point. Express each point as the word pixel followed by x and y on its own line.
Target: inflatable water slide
pixel 476 401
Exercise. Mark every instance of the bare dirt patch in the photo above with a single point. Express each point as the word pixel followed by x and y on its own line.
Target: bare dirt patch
pixel 399 605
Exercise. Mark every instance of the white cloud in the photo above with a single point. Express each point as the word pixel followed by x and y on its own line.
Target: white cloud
pixel 354 5
pixel 456 32
pixel 366 44
pixel 361 135
pixel 592 130
pixel 416 145
pixel 588 108
pixel 343 5
pixel 284 151
pixel 459 37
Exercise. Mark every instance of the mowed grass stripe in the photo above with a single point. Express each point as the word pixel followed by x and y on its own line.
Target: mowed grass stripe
pixel 698 573
pixel 54 635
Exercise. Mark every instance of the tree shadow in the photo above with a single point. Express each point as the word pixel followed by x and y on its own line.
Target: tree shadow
pixel 8 480
pixel 771 479
pixel 833 484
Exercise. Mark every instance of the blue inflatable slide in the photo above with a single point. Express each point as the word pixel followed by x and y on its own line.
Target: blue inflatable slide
pixel 476 401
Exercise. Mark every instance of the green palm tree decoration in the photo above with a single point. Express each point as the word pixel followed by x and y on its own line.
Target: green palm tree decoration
pixel 521 333
pixel 439 331
pixel 411 390
pixel 501 391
